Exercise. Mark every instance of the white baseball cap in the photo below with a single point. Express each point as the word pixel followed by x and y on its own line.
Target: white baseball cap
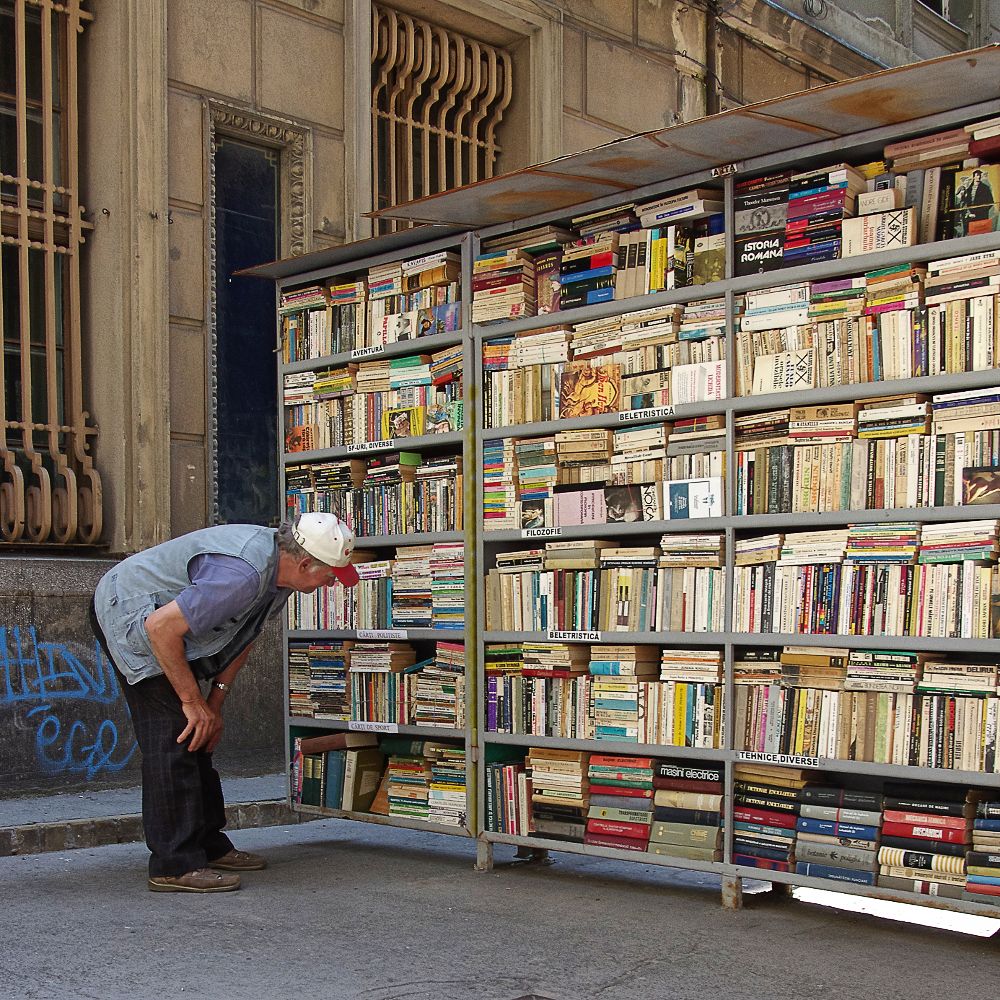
pixel 326 538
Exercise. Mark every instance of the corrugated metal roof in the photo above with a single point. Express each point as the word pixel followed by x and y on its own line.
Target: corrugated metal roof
pixel 868 102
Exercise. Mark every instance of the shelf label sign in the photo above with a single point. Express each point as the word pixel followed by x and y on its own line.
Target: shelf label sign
pixel 373 727
pixel 372 446
pixel 725 169
pixel 367 352
pixel 540 532
pixel 653 413
pixel 382 633
pixel 791 760
pixel 556 636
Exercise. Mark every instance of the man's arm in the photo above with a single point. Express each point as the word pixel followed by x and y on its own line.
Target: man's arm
pixel 216 697
pixel 166 628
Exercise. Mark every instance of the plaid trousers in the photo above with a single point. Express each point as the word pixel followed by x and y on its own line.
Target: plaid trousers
pixel 183 810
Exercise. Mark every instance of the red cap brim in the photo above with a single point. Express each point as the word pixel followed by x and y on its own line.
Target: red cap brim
pixel 347 575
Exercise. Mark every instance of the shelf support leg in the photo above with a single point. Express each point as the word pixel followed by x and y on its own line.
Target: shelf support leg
pixel 732 892
pixel 484 856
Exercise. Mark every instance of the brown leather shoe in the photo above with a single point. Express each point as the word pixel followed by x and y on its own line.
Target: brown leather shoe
pixel 200 880
pixel 239 861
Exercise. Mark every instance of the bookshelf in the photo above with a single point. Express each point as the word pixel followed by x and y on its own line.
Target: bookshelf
pixel 493 749
pixel 388 524
pixel 501 741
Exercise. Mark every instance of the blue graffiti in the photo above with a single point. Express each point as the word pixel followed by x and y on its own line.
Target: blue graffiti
pixel 46 674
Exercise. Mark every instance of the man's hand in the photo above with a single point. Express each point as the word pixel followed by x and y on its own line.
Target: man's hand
pixel 204 725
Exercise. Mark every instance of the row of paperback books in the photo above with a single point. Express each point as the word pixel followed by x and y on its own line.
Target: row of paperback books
pixel 626 803
pixel 394 302
pixel 897 451
pixel 390 494
pixel 934 187
pixel 888 579
pixel 348 681
pixel 924 838
pixel 626 693
pixel 374 401
pixel 651 358
pixel 646 472
pixel 673 242
pixel 422 586
pixel 677 586
pixel 899 322
pixel 416 779
pixel 887 707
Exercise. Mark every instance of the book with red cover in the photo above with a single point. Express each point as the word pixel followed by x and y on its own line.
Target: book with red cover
pixel 632 793
pixel 608 840
pixel 605 760
pixel 942 835
pixel 925 819
pixel 618 828
pixel 766 817
pixel 982 888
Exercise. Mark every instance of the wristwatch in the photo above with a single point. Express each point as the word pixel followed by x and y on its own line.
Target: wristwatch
pixel 222 687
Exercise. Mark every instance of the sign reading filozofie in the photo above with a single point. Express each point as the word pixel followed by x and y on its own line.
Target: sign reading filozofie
pixel 540 532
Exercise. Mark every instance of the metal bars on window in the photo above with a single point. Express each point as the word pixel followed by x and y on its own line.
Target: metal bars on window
pixel 437 102
pixel 49 488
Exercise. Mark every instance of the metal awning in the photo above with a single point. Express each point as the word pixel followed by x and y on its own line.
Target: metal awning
pixel 880 99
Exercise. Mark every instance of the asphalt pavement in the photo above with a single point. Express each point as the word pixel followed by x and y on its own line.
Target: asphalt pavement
pixel 350 910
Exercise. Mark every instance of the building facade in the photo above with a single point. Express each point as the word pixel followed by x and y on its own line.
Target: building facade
pixel 150 150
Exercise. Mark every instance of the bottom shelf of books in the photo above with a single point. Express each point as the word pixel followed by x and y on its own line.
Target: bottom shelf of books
pixel 928 842
pixel 406 781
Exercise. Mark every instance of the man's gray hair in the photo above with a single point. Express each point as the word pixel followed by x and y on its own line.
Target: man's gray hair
pixel 288 545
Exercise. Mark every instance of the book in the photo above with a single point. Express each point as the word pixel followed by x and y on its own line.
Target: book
pixel 362 773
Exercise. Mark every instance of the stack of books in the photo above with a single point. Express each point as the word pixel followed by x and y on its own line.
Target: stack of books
pixel 446 796
pixel 926 835
pixel 690 583
pixel 508 794
pixel 627 588
pixel 448 586
pixel 407 778
pixel 306 324
pixel 837 834
pixel 685 708
pixel 765 814
pixel 761 216
pixel 615 817
pixel 412 600
pixel 439 699
pixel 383 682
pixel 503 286
pixel 500 493
pixel 537 476
pixel 587 270
pixel 687 814
pixel 318 686
pixel 983 861
pixel 818 203
pixel 618 692
pixel 560 792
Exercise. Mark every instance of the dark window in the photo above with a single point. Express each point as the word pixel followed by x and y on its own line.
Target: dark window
pixel 246 233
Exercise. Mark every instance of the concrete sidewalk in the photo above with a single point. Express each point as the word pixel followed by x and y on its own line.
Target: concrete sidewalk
pixel 36 824
pixel 351 911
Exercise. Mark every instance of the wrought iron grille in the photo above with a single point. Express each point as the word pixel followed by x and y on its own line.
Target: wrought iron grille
pixel 437 102
pixel 49 488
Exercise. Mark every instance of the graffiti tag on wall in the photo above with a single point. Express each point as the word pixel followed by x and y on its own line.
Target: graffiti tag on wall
pixel 64 700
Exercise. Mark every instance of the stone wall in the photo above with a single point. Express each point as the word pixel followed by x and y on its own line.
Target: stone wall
pixel 64 723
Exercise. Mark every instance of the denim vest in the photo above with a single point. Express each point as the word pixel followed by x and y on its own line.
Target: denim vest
pixel 137 586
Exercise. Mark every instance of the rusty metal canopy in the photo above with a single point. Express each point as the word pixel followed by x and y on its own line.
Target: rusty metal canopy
pixel 920 90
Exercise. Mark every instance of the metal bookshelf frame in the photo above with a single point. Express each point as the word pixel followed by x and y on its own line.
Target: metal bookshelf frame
pixel 342 262
pixel 858 147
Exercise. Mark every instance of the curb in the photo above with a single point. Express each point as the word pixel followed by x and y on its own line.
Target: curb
pixel 70 835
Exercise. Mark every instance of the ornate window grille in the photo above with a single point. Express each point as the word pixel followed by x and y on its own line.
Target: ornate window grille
pixel 49 488
pixel 437 102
